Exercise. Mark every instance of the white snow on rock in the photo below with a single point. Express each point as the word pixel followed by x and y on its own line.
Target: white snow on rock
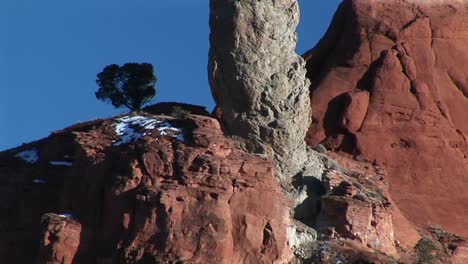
pixel 180 137
pixel 61 163
pixel 38 181
pixel 164 127
pixel 30 156
pixel 66 215
pixel 132 128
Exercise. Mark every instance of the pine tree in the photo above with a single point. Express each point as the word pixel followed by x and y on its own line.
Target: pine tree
pixel 131 85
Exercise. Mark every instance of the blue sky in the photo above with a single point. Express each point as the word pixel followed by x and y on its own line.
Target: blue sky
pixel 51 51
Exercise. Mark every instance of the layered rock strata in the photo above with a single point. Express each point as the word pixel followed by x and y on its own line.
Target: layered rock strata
pixel 257 79
pixel 389 82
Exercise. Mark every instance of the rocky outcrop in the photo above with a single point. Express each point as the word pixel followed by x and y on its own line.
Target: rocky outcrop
pixel 389 87
pixel 356 206
pixel 257 79
pixel 354 212
pixel 141 189
pixel 358 222
pixel 61 239
pixel 368 183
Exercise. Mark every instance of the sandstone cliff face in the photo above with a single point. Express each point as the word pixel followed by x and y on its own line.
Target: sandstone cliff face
pixel 140 189
pixel 389 85
pixel 258 81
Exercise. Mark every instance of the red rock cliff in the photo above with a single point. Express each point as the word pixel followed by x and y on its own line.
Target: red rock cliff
pixel 390 86
pixel 140 189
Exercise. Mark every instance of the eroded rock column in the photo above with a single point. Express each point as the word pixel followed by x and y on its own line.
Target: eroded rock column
pixel 257 79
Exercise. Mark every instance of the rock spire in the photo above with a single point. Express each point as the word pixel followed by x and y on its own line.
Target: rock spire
pixel 257 79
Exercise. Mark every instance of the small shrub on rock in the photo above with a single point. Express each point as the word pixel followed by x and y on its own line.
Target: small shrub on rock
pixel 427 251
pixel 179 112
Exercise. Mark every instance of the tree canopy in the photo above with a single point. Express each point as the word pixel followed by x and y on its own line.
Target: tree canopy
pixel 131 85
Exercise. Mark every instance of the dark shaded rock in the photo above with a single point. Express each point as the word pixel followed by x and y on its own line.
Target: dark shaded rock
pixel 169 108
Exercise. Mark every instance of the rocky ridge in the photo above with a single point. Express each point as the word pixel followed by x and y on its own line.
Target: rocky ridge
pixel 141 189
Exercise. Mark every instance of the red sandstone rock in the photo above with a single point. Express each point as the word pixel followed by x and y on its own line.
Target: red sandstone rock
pixel 62 238
pixel 355 219
pixel 155 199
pixel 411 57
pixel 460 254
pixel 356 206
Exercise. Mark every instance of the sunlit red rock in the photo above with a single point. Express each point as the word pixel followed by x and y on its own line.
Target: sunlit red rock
pixel 174 190
pixel 411 58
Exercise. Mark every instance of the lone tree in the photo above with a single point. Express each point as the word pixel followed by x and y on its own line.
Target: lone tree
pixel 131 85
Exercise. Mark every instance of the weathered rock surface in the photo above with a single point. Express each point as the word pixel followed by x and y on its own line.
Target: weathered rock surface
pixel 389 82
pixel 257 79
pixel 62 238
pixel 356 222
pixel 369 183
pixel 141 189
pixel 356 206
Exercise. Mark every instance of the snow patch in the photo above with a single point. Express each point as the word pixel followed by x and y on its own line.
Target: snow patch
pixel 38 181
pixel 61 163
pixel 180 137
pixel 165 127
pixel 30 156
pixel 66 215
pixel 338 260
pixel 132 128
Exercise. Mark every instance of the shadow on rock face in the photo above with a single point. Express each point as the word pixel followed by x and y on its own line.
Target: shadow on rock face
pixel 309 208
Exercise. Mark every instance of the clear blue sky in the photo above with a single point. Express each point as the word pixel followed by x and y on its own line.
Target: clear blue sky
pixel 51 51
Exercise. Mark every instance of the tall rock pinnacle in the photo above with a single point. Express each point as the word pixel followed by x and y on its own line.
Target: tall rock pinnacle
pixel 257 79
